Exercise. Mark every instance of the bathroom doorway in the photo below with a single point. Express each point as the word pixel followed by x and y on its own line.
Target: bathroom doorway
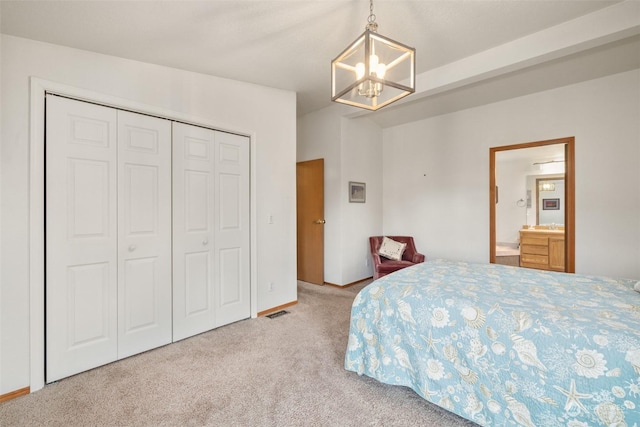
pixel 517 201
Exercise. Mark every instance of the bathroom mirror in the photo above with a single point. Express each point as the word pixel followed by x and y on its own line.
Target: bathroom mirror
pixel 549 201
pixel 545 202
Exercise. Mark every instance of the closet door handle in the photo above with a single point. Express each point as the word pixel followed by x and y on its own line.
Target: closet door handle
pixel 132 248
pixel 205 242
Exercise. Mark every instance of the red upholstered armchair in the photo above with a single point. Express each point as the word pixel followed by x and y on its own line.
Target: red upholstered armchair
pixel 383 266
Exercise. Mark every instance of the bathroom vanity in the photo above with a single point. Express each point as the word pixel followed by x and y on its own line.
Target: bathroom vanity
pixel 542 248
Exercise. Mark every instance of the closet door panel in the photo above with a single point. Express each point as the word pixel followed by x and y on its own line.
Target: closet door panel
pixel 81 237
pixel 230 276
pixel 147 229
pixel 144 233
pixel 193 233
pixel 197 279
pixel 231 222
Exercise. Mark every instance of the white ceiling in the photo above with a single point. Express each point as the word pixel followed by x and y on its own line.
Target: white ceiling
pixel 542 153
pixel 289 44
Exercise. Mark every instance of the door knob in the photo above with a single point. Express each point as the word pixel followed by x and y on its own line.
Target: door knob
pixel 205 242
pixel 132 248
pixel 320 221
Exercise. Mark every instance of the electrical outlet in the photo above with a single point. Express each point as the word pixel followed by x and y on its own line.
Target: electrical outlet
pixel 366 261
pixel 270 287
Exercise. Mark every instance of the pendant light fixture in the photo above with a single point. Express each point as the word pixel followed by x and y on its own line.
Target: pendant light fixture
pixel 373 71
pixel 547 186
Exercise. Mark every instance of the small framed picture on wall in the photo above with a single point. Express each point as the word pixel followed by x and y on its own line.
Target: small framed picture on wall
pixel 551 204
pixel 357 192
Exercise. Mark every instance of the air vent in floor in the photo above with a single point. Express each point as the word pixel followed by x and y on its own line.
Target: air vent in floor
pixel 277 314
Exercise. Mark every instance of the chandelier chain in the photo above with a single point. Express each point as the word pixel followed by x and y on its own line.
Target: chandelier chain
pixel 372 25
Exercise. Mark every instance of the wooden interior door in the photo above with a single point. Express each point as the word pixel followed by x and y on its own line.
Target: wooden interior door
pixel 310 220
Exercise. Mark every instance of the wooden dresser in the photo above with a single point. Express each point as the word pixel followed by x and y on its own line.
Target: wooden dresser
pixel 542 249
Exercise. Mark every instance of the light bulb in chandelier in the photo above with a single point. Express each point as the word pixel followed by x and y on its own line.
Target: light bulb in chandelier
pixel 377 69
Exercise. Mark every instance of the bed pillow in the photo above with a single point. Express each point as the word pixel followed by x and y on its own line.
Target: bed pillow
pixel 637 286
pixel 392 249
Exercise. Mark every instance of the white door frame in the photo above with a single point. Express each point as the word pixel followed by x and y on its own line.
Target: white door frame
pixel 37 204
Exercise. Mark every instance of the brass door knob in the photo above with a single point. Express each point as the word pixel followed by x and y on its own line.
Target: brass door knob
pixel 320 221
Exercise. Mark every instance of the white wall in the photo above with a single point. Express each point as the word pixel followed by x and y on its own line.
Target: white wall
pixel 351 149
pixel 512 186
pixel 436 172
pixel 268 115
pixel 319 138
pixel 361 162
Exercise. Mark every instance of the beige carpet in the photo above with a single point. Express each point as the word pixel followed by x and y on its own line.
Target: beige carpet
pixel 286 371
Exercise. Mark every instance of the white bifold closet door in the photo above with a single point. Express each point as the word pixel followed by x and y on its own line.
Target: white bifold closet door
pixel 108 235
pixel 144 233
pixel 211 237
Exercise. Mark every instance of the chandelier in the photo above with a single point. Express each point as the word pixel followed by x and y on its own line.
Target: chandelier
pixel 373 71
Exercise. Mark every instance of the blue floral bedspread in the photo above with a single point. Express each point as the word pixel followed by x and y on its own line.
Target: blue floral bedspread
pixel 502 345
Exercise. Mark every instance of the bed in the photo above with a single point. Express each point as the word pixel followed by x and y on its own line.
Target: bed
pixel 501 345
